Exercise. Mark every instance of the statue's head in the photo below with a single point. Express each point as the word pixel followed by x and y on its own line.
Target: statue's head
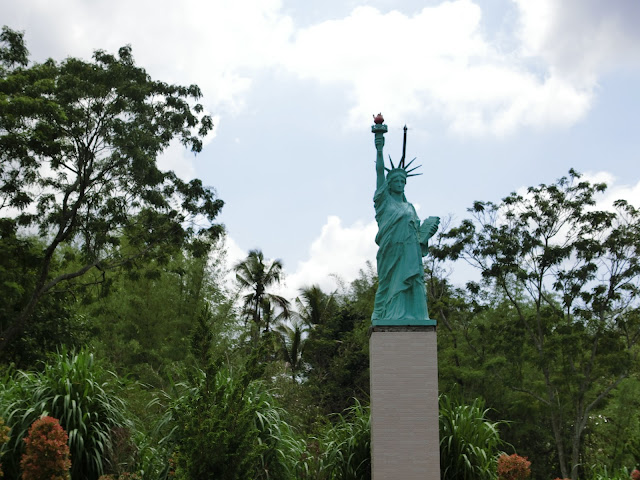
pixel 397 179
pixel 402 171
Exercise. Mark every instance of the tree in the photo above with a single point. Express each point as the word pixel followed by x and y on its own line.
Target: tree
pixel 292 344
pixel 78 148
pixel 256 276
pixel 569 274
pixel 314 306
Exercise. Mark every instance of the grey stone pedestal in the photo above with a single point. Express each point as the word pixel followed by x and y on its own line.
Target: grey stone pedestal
pixel 404 403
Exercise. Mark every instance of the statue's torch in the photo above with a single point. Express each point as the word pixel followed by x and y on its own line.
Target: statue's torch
pixel 379 129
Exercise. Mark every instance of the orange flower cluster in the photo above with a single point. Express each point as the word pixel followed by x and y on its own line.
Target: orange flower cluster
pixel 513 467
pixel 47 451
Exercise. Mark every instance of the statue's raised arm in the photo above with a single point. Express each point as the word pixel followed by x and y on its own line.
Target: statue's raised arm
pixel 401 298
pixel 379 129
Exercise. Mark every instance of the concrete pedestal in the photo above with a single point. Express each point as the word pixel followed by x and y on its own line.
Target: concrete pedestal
pixel 404 403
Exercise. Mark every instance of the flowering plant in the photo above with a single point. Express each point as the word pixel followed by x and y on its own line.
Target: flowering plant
pixel 46 455
pixel 4 438
pixel 635 475
pixel 513 467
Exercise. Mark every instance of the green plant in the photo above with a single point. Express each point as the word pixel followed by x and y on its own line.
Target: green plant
pixel 601 472
pixel 513 467
pixel 347 445
pixel 46 455
pixel 228 427
pixel 340 451
pixel 75 389
pixel 469 442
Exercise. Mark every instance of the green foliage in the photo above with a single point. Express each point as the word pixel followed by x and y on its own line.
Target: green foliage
pixel 613 435
pixel 55 321
pixel 78 147
pixel 341 449
pixel 469 442
pixel 143 320
pixel 256 275
pixel 346 445
pixel 599 472
pixel 13 52
pixel 75 389
pixel 228 427
pixel 292 341
pixel 46 455
pixel 337 349
pixel 559 320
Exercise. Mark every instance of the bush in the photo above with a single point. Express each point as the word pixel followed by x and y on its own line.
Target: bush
pixel 46 455
pixel 228 427
pixel 513 467
pixel 346 446
pixel 75 389
pixel 469 442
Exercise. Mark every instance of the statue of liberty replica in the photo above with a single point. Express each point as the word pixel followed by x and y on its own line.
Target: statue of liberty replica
pixel 403 347
pixel 401 298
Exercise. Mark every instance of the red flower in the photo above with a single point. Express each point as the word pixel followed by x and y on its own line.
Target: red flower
pixel 513 467
pixel 46 453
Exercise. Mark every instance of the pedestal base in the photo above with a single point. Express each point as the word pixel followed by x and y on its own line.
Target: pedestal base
pixel 404 403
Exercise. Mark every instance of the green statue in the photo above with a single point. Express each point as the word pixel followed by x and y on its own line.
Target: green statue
pixel 401 298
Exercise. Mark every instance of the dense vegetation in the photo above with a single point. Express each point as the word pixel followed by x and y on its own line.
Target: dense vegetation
pixel 117 319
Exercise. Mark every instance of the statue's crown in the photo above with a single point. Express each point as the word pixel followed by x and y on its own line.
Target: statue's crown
pixel 401 169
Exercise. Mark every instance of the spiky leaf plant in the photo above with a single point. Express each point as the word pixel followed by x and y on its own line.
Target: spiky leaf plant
pixel 72 387
pixel 469 442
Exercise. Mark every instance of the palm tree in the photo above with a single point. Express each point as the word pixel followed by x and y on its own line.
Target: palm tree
pixel 292 343
pixel 256 276
pixel 314 305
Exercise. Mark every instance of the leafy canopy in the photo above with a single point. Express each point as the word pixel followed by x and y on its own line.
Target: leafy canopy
pixel 79 143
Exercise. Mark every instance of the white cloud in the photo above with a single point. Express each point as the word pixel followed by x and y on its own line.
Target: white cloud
pixel 340 251
pixel 215 44
pixel 438 62
pixel 233 254
pixel 581 39
pixel 615 190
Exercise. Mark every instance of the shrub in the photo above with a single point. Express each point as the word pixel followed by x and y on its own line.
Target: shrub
pixel 469 442
pixel 46 455
pixel 635 475
pixel 513 467
pixel 228 427
pixel 75 389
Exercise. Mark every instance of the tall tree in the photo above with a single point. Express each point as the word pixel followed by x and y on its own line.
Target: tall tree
pixel 256 276
pixel 570 274
pixel 292 340
pixel 315 306
pixel 78 148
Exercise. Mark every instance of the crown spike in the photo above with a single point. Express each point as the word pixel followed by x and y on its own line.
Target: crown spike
pixel 409 164
pixel 414 168
pixel 414 175
pixel 391 161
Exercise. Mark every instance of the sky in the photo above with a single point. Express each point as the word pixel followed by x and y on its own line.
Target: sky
pixel 497 95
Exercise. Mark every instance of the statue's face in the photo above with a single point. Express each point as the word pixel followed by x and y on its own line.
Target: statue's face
pixel 397 183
